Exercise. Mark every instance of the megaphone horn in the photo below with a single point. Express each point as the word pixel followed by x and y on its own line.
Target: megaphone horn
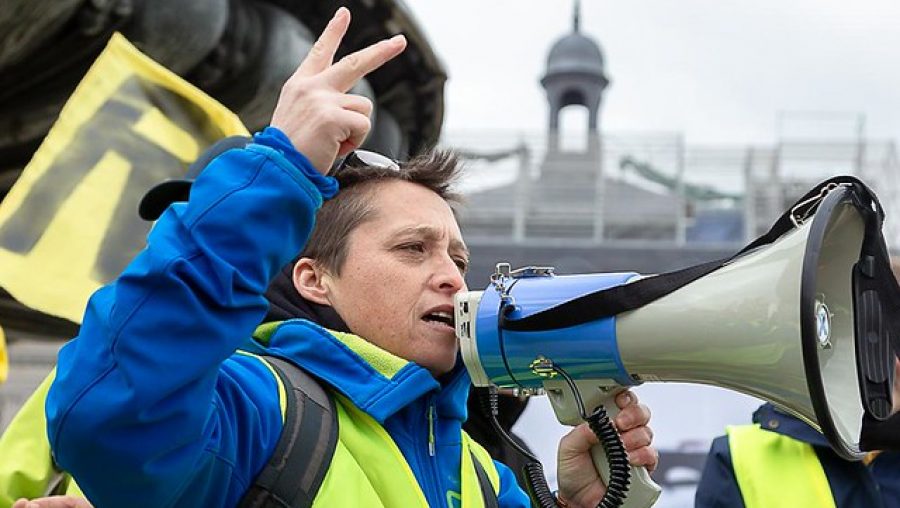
pixel 802 317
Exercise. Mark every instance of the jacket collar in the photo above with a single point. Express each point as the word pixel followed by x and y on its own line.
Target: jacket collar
pixel 772 419
pixel 376 381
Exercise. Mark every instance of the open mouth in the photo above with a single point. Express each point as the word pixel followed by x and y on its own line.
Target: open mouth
pixel 439 317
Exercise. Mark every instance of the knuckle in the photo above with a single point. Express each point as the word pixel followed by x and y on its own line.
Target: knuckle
pixel 625 399
pixel 289 89
pixel 640 456
pixel 587 435
pixel 294 88
pixel 632 440
pixel 352 61
pixel 637 458
pixel 624 421
pixel 318 48
pixel 359 122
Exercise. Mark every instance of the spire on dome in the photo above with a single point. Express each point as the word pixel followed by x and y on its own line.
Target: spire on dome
pixel 576 16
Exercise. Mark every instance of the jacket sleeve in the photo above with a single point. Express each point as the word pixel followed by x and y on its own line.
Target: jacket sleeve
pixel 148 407
pixel 718 487
pixel 511 494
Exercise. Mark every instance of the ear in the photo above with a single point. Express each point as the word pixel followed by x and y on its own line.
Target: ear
pixel 311 281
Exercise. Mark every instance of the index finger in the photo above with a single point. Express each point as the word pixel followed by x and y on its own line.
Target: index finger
pixel 632 417
pixel 353 67
pixel 626 398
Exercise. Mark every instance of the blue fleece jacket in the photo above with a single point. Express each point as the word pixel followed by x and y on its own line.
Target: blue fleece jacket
pixel 853 484
pixel 152 407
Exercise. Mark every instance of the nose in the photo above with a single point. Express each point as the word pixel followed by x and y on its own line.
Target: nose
pixel 447 277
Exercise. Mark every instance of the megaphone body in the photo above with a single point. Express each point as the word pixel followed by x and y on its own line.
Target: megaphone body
pixel 786 322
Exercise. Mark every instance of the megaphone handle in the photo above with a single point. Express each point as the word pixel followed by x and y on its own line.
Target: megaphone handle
pixel 642 491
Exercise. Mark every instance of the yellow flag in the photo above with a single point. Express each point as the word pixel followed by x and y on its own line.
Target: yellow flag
pixel 70 223
pixel 4 359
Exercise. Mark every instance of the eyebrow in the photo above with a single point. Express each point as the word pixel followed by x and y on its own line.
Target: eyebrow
pixel 430 233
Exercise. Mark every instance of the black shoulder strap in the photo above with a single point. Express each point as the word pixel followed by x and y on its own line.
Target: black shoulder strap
pixel 488 496
pixel 304 451
pixel 618 299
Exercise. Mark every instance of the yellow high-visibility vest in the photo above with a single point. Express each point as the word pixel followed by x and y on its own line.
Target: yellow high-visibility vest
pixel 369 470
pixel 775 471
pixel 4 361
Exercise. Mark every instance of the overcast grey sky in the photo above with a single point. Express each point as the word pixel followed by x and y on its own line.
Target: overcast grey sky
pixel 717 70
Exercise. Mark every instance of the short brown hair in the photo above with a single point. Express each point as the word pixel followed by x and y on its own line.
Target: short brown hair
pixel 436 170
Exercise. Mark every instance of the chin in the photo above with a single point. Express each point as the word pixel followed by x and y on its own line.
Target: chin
pixel 440 367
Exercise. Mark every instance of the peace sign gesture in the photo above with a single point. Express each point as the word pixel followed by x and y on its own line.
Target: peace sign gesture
pixel 315 110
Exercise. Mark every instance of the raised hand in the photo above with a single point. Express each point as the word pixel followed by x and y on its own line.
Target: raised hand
pixel 314 109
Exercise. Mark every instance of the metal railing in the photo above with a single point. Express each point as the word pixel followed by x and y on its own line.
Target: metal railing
pixel 655 187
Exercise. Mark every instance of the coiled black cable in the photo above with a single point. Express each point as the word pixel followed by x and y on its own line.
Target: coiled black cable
pixel 537 487
pixel 599 423
pixel 619 469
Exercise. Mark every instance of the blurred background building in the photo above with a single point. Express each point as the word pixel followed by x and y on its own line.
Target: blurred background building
pixel 581 199
pixel 646 201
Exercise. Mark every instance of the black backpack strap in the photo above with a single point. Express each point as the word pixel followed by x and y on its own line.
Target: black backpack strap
pixel 487 490
pixel 294 473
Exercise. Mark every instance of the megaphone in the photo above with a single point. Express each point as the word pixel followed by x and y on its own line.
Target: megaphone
pixel 803 317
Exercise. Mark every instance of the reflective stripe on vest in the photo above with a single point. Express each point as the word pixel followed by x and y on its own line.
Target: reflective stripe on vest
pixel 369 470
pixel 775 471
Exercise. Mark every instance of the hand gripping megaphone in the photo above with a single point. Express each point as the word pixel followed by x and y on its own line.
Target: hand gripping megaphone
pixel 807 317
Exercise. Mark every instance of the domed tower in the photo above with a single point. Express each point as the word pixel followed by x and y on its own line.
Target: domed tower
pixel 571 185
pixel 568 198
pixel 574 75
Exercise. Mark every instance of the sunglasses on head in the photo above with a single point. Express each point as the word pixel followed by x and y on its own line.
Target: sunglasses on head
pixel 363 158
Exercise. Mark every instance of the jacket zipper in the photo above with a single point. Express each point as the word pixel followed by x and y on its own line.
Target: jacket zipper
pixel 431 430
pixel 430 460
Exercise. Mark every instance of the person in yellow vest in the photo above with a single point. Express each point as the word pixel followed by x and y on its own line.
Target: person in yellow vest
pixel 27 470
pixel 26 467
pixel 154 405
pixel 781 462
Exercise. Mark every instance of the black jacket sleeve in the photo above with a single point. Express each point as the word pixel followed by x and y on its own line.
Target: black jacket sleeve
pixel 718 486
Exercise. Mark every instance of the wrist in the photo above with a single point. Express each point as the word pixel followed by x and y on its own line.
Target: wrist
pixel 275 138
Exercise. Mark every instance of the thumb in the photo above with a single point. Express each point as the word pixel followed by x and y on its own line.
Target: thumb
pixel 578 441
